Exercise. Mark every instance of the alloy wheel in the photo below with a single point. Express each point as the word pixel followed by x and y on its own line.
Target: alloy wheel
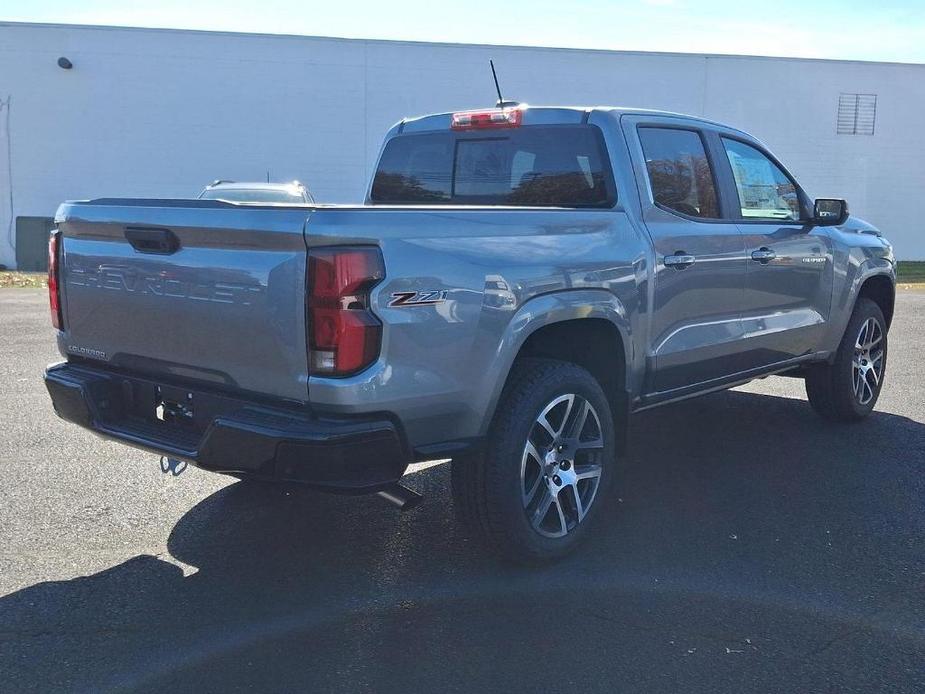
pixel 561 465
pixel 867 365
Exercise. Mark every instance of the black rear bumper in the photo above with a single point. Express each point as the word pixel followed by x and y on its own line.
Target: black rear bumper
pixel 231 434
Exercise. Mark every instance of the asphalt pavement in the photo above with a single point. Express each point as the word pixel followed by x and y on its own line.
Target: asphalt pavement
pixel 752 548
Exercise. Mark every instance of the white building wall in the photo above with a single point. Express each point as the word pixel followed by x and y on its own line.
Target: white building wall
pixel 160 113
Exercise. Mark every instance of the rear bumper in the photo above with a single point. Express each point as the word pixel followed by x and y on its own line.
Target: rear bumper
pixel 231 434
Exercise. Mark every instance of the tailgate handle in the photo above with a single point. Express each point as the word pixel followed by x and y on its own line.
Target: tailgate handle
pixel 152 240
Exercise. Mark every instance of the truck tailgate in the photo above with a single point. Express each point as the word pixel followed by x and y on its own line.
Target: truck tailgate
pixel 194 290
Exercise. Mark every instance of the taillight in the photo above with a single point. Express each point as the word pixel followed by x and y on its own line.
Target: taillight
pixel 487 120
pixel 344 334
pixel 54 290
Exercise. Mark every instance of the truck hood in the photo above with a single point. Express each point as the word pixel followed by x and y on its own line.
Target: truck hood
pixel 860 226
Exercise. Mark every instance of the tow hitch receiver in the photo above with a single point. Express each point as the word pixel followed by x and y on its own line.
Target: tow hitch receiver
pixel 172 410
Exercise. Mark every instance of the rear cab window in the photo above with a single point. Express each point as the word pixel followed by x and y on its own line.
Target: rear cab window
pixel 532 165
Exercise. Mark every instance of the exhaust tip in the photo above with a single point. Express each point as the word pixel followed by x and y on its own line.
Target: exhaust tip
pixel 400 496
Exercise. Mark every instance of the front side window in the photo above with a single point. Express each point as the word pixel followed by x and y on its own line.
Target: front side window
pixel 765 192
pixel 679 171
pixel 536 165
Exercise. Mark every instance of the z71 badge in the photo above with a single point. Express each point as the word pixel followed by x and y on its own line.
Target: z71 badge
pixel 418 298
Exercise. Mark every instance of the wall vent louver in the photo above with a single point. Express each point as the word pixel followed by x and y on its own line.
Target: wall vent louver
pixel 857 114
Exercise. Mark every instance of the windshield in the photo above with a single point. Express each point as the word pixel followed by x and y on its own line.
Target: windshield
pixel 252 195
pixel 549 165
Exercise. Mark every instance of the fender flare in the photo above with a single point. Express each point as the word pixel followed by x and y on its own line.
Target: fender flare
pixel 843 304
pixel 544 310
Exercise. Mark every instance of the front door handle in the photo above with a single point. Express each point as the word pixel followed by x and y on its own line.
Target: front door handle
pixel 679 260
pixel 763 255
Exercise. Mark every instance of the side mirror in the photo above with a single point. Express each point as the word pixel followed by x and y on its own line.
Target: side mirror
pixel 830 212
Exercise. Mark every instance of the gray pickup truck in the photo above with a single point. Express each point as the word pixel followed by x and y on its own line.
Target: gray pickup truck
pixel 519 281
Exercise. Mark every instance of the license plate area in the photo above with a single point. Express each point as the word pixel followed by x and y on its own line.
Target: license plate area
pixel 166 406
pixel 162 410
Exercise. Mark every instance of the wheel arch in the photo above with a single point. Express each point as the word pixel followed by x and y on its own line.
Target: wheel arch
pixel 585 327
pixel 881 290
pixel 870 277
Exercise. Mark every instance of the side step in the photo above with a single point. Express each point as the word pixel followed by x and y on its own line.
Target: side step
pixel 400 496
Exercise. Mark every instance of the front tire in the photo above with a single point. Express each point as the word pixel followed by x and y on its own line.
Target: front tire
pixel 547 466
pixel 847 389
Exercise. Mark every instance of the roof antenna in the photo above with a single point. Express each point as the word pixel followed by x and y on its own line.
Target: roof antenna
pixel 501 102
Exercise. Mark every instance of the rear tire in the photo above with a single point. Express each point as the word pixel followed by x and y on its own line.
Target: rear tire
pixel 847 389
pixel 551 446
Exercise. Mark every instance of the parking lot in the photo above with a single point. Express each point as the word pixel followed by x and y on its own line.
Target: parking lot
pixel 753 548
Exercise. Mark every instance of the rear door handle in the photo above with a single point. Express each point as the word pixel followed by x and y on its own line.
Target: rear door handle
pixel 152 240
pixel 763 255
pixel 679 260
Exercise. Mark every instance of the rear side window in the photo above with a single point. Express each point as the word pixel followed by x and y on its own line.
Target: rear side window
pixel 679 171
pixel 534 165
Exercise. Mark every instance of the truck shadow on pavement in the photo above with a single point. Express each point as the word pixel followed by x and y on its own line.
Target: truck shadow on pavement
pixel 752 547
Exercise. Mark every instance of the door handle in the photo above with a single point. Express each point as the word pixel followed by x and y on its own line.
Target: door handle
pixel 679 260
pixel 763 255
